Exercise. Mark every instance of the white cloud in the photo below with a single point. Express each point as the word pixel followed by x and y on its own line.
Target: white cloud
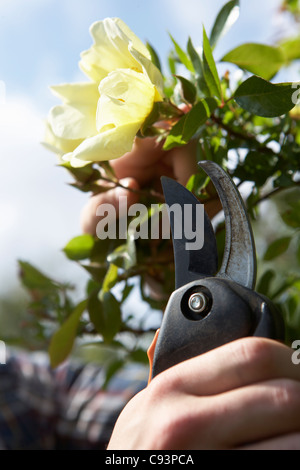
pixel 39 212
pixel 192 13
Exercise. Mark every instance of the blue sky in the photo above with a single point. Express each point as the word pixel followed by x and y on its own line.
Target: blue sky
pixel 40 40
pixel 40 44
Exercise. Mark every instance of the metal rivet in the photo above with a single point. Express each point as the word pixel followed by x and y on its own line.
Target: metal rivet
pixel 198 302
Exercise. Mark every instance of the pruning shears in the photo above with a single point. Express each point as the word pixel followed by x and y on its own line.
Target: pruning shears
pixel 209 306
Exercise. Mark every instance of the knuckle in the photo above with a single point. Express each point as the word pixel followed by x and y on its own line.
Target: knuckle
pixel 176 428
pixel 286 395
pixel 175 417
pixel 168 382
pixel 255 353
pixel 161 387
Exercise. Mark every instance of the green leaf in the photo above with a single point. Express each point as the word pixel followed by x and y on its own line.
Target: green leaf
pixel 32 278
pixel 119 257
pixel 195 57
pixel 298 251
pixel 80 247
pixel 108 169
pixel 113 317
pixel 188 90
pixel 196 183
pixel 257 167
pixel 150 120
pixel 85 174
pixel 100 250
pixel 225 19
pixel 187 126
pixel 291 280
pixel 265 281
pixel 263 98
pixel 258 59
pixel 139 355
pixel 199 68
pixel 174 138
pixel 212 104
pixel 172 62
pixel 154 56
pixel 277 248
pixel 161 111
pixel 284 180
pixel 290 49
pixel 105 314
pixel 110 279
pixel 126 291
pixel 95 311
pixel 183 57
pixel 291 217
pixel 124 256
pixel 210 70
pixel 63 340
pixel 194 119
pixel 292 198
pixel 98 272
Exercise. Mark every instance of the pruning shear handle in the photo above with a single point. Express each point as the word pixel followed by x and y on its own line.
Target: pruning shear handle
pixel 211 307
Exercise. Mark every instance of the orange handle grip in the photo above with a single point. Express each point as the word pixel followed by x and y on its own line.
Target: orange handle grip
pixel 150 354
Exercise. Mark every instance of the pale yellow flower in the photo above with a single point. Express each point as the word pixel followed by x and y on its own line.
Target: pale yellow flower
pixel 98 120
pixel 110 49
pixel 75 118
pixel 58 145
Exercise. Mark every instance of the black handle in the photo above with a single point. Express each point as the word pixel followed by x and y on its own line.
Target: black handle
pixel 229 311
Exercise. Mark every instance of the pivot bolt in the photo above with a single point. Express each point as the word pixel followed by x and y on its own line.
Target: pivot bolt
pixel 198 302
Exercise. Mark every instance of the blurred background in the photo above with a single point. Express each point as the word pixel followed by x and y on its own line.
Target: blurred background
pixel 40 45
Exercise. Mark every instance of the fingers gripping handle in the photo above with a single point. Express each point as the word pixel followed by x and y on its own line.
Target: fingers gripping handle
pixel 233 312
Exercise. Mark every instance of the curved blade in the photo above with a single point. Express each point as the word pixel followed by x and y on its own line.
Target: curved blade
pixel 193 258
pixel 239 261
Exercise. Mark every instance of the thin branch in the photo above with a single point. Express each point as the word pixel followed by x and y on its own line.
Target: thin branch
pixel 245 136
pixel 274 192
pixel 233 132
pixel 141 192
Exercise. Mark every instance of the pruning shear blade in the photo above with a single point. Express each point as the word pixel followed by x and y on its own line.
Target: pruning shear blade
pixel 239 260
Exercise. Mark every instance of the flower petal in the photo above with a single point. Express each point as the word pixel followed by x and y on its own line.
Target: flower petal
pixel 76 118
pixel 110 144
pixel 81 92
pixel 58 145
pixel 90 65
pixel 125 96
pixel 134 40
pixel 152 72
pixel 97 123
pixel 70 122
pixel 112 38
